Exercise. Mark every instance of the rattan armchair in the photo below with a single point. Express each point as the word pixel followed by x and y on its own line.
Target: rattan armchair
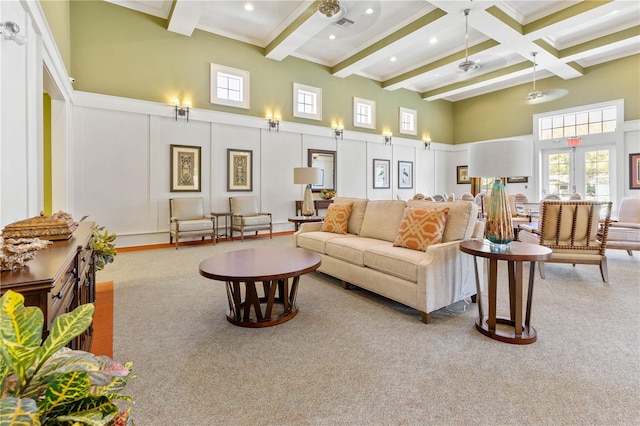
pixel 576 232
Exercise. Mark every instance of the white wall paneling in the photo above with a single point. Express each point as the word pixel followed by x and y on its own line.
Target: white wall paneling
pixel 18 162
pixel 280 154
pixel 353 165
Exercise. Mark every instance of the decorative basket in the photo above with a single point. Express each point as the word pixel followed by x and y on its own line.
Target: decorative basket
pixel 58 226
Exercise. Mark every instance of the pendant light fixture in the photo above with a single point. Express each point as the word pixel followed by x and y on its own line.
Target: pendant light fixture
pixel 534 94
pixel 329 7
pixel 467 65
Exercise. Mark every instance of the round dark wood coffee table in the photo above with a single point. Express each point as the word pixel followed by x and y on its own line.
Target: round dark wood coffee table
pixel 278 268
pixel 517 253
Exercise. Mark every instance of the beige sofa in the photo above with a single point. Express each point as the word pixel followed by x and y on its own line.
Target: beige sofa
pixel 366 257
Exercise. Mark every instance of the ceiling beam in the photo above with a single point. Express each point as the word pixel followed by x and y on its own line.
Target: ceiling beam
pixel 309 23
pixel 493 77
pixel 185 15
pixel 418 74
pixel 386 46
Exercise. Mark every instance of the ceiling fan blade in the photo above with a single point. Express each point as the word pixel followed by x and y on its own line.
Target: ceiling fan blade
pixel 547 96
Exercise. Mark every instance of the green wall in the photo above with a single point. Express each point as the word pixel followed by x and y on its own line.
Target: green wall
pixel 59 20
pixel 124 53
pixel 46 142
pixel 505 113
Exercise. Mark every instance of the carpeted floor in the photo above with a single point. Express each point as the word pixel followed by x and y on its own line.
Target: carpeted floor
pixel 351 357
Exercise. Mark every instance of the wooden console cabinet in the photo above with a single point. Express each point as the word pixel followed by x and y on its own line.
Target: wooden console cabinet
pixel 60 278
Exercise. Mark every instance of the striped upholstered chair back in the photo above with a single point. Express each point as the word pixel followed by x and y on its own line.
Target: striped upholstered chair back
pixel 576 232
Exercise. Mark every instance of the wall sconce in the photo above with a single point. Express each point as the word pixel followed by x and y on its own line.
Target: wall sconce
pixel 182 110
pixel 274 123
pixel 338 131
pixel 387 137
pixel 427 143
pixel 10 30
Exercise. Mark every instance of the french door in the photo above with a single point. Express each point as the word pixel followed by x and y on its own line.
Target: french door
pixel 579 170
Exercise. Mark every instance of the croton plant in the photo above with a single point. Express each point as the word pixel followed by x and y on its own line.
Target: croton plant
pixel 46 383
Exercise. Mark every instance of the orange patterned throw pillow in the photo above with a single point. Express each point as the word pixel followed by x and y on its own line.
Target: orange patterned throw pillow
pixel 419 228
pixel 337 218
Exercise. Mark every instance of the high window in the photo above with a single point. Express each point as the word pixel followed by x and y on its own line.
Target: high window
pixel 408 121
pixel 307 101
pixel 364 113
pixel 229 86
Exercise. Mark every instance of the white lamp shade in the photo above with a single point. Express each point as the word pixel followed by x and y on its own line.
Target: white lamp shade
pixel 500 159
pixel 307 175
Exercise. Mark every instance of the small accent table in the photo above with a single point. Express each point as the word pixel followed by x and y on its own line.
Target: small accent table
pixel 278 268
pixel 518 252
pixel 227 223
pixel 302 219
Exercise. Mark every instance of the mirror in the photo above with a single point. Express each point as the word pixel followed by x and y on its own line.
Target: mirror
pixel 325 161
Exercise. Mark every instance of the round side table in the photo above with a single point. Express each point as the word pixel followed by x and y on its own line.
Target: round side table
pixel 515 255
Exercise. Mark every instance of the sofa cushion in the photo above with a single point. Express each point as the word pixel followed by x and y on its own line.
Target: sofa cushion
pixel 419 228
pixel 357 213
pixel 460 220
pixel 193 225
pixel 317 240
pixel 337 218
pixel 397 261
pixel 351 250
pixel 382 219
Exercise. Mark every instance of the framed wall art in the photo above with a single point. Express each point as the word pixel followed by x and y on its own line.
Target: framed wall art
pixel 185 168
pixel 239 170
pixel 462 174
pixel 634 171
pixel 381 178
pixel 405 174
pixel 517 179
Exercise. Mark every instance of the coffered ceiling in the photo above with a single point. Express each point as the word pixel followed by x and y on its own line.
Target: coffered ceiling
pixel 418 45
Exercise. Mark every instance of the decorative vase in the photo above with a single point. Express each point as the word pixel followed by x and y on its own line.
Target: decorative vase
pixel 498 225
pixel 307 202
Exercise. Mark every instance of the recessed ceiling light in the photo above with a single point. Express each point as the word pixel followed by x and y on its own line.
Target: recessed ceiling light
pixel 433 40
pixel 332 37
pixel 393 59
pixel 248 7
pixel 369 11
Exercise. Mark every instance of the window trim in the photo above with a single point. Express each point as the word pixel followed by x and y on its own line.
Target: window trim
pixel 403 129
pixel 372 105
pixel 243 75
pixel 297 88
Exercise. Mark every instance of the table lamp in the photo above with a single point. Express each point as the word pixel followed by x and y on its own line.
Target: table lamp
pixel 500 159
pixel 307 176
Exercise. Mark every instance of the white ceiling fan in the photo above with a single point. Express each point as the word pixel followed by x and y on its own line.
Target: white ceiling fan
pixel 467 65
pixel 537 96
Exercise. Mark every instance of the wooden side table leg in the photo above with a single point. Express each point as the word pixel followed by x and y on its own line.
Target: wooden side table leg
pixel 512 282
pixel 493 290
pixel 517 320
pixel 532 271
pixel 478 290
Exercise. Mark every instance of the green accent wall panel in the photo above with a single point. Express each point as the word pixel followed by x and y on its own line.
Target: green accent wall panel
pixel 505 113
pixel 124 53
pixel 59 20
pixel 46 142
